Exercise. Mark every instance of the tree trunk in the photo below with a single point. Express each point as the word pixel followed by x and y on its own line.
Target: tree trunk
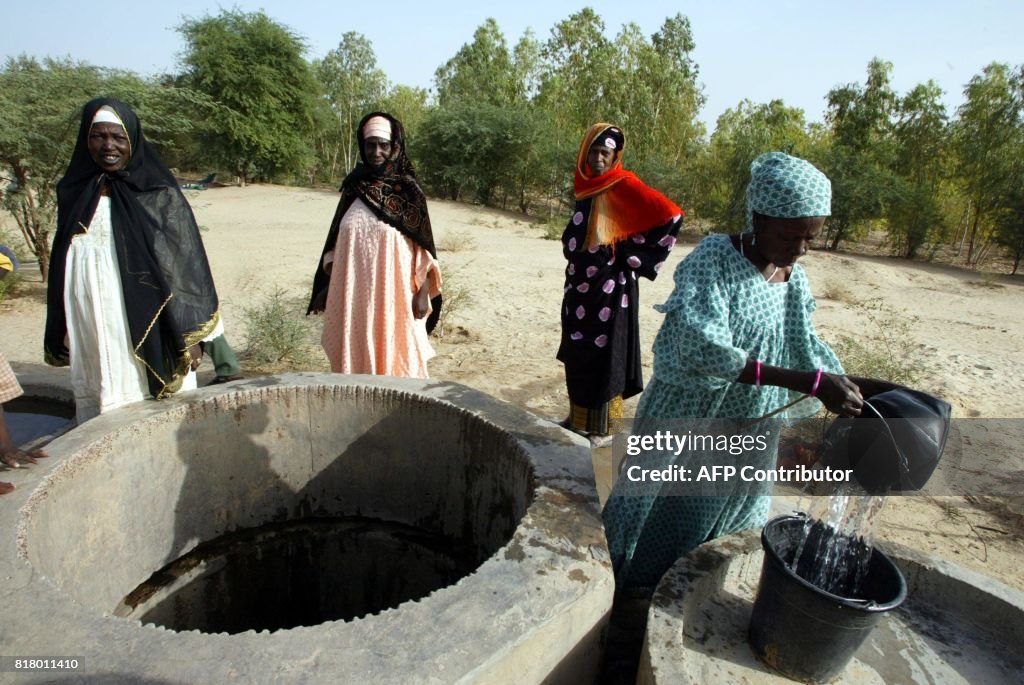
pixel 36 234
pixel 974 233
pixel 962 224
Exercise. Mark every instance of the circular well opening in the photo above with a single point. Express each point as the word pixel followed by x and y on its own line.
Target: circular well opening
pixel 277 507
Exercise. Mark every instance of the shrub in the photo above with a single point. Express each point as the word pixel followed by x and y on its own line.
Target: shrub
pixel 886 349
pixel 554 229
pixel 839 291
pixel 458 241
pixel 457 295
pixel 279 337
pixel 8 284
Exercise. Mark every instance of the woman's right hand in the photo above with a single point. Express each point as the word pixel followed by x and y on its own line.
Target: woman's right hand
pixel 840 395
pixel 319 303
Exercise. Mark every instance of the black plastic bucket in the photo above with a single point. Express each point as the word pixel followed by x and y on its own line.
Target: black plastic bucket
pixel 802 631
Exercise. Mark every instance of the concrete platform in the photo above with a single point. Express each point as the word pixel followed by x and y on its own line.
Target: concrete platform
pixel 131 491
pixel 955 628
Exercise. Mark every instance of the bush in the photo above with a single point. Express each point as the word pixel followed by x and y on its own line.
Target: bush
pixel 8 284
pixel 886 350
pixel 456 296
pixel 839 291
pixel 554 229
pixel 458 241
pixel 279 338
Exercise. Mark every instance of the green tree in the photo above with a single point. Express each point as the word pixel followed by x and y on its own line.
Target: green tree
pixel 526 67
pixel 646 85
pixel 254 69
pixel 352 85
pixel 480 71
pixel 653 91
pixel 985 136
pixel 40 107
pixel 1010 223
pixel 741 134
pixel 471 148
pixel 409 105
pixel 858 162
pixel 915 213
pixel 677 95
pixel 578 72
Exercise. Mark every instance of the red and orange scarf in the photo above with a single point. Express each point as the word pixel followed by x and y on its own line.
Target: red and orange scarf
pixel 622 204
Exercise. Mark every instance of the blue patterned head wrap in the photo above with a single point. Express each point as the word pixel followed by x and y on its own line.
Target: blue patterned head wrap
pixel 786 187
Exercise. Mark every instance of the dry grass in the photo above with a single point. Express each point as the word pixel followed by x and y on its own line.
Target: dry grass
pixel 839 291
pixel 458 241
pixel 457 295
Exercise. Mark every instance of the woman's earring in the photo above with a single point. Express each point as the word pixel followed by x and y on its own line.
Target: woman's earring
pixel 753 238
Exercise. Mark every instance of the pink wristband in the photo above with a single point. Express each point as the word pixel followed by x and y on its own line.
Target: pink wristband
pixel 757 373
pixel 817 382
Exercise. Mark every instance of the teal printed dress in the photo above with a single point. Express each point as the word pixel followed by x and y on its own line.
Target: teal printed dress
pixel 721 313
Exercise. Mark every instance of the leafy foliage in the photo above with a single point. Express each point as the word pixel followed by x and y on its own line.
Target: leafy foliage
pixel 279 337
pixel 504 121
pixel 8 284
pixel 920 162
pixel 481 71
pixel 987 140
pixel 265 92
pixel 40 106
pixel 858 162
pixel 353 85
pixel 741 135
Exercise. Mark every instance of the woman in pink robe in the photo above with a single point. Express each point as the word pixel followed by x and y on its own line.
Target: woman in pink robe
pixel 378 281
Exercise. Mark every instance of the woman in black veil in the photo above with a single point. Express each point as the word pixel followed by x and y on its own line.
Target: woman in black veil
pixel 130 296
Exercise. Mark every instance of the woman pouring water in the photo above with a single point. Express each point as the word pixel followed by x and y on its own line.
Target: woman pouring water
pixel 737 342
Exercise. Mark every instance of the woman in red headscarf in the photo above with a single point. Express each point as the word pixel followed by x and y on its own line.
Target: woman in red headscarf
pixel 620 230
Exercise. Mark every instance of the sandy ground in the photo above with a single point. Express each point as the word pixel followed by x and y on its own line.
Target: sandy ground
pixel 504 284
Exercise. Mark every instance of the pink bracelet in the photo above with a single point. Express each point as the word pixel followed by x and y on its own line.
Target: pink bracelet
pixel 757 373
pixel 817 382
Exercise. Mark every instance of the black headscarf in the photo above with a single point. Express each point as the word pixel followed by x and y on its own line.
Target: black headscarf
pixel 392 193
pixel 169 296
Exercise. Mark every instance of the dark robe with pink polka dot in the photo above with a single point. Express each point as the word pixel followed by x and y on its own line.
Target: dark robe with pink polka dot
pixel 600 321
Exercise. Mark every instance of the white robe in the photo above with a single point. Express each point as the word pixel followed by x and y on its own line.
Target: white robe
pixel 105 372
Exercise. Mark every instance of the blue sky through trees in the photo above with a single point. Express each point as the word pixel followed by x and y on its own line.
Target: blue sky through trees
pixel 796 50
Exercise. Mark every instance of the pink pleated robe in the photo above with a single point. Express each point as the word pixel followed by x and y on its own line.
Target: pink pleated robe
pixel 369 326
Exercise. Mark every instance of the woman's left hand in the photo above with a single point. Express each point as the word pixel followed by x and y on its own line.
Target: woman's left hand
pixel 421 301
pixel 197 356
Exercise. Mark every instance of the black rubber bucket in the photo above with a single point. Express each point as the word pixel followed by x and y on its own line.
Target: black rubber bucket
pixel 802 631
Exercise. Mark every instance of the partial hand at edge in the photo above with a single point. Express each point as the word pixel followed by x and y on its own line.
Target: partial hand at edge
pixel 840 395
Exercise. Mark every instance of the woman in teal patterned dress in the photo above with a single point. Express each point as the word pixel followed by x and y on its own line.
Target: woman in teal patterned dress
pixel 737 343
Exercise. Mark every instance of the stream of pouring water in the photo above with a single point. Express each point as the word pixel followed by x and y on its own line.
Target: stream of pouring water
pixel 835 549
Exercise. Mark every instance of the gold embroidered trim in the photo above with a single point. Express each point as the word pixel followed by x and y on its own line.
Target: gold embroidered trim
pixel 185 361
pixel 152 323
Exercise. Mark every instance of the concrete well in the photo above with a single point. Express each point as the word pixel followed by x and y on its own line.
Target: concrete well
pixel 129 540
pixel 47 408
pixel 955 628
